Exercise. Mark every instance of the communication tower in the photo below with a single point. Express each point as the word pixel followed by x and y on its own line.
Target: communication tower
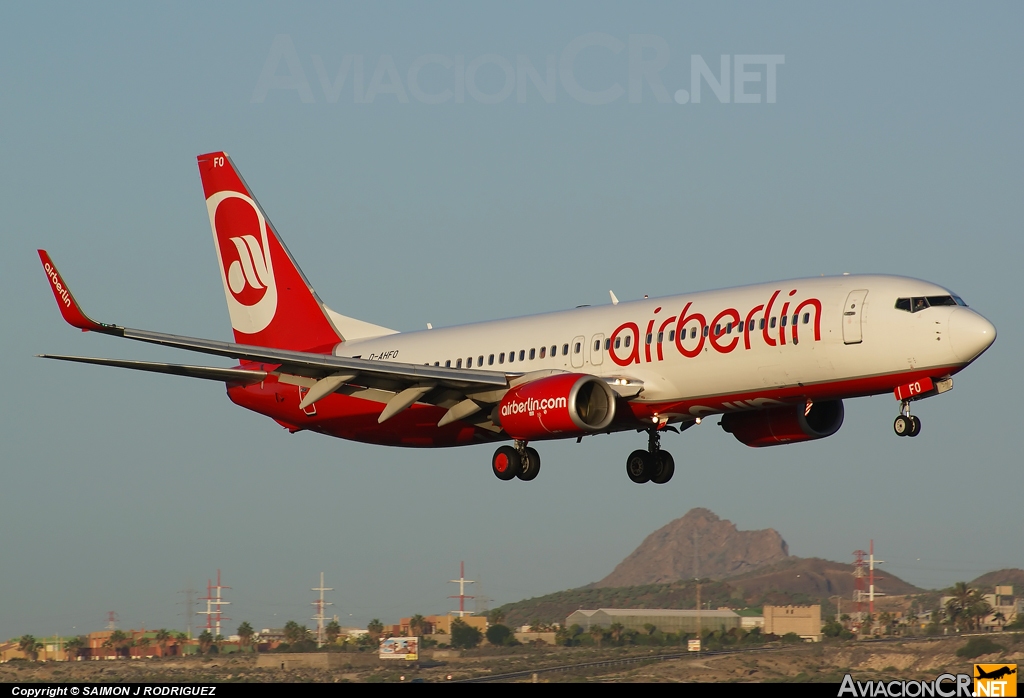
pixel 319 617
pixel 462 582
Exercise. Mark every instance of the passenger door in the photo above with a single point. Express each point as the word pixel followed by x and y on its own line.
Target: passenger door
pixel 852 313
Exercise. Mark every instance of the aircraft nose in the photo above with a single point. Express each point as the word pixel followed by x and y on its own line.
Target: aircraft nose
pixel 970 334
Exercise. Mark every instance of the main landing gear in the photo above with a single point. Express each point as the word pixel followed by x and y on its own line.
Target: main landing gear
pixel 652 465
pixel 516 461
pixel 905 424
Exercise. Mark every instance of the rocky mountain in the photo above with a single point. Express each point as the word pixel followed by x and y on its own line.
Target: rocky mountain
pixel 668 554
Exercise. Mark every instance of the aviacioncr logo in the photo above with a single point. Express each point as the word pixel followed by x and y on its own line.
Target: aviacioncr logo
pixel 241 238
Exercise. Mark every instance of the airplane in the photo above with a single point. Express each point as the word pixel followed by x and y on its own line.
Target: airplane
pixel 994 674
pixel 775 360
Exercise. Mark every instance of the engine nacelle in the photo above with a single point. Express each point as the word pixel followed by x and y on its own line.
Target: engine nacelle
pixel 560 405
pixel 785 425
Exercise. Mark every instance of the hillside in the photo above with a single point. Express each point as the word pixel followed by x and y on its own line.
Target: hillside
pixel 793 581
pixel 1014 577
pixel 698 543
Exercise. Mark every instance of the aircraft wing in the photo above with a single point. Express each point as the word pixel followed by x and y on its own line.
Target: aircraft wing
pixel 386 375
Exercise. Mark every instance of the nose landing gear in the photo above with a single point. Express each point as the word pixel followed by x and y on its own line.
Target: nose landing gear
pixel 652 465
pixel 905 424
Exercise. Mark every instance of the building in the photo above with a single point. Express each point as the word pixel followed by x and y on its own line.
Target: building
pixel 1005 608
pixel 663 619
pixel 805 621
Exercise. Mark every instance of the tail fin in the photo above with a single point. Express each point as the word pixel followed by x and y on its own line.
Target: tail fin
pixel 269 300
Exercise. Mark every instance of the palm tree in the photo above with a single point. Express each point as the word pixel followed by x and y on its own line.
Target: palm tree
pixel 979 608
pixel 74 647
pixel 245 633
pixel 218 642
pixel 616 630
pixel 536 626
pixel 117 641
pixel 205 641
pixel 142 642
pixel 416 624
pixel 30 647
pixel 333 631
pixel 958 608
pixel 162 638
pixel 375 629
pixel 181 639
pixel 597 632
pixel 496 617
pixel 295 633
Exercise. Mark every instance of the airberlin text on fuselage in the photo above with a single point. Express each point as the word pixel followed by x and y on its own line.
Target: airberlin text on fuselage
pixel 692 329
pixel 532 405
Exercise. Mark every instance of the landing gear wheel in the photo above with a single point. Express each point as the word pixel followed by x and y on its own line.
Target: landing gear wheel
pixel 915 426
pixel 506 463
pixel 640 467
pixel 530 465
pixel 664 468
pixel 902 426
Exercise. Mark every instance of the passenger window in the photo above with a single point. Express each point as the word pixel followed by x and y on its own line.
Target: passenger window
pixel 597 345
pixel 628 338
pixel 480 360
pixel 458 363
pixel 760 324
pixel 469 362
pixel 706 328
pixel 437 363
pixel 718 330
pixel 772 323
pixel 490 360
pixel 565 347
pixel 661 337
pixel 607 344
pixel 728 328
pixel 807 318
pixel 796 318
pixel 533 354
pixel 448 363
pixel 501 358
pixel 671 335
pixel 649 337
pixel 784 317
pixel 543 352
pixel 511 356
pixel 618 341
pixel 693 333
pixel 576 349
pixel 554 350
pixel 522 354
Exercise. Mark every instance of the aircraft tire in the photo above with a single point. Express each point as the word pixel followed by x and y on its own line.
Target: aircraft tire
pixel 640 466
pixel 902 426
pixel 506 463
pixel 665 468
pixel 531 465
pixel 915 426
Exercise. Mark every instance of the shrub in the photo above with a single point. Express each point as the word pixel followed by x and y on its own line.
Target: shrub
pixel 465 636
pixel 791 638
pixel 498 634
pixel 978 646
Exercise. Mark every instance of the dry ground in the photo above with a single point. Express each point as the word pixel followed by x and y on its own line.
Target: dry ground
pixel 910 659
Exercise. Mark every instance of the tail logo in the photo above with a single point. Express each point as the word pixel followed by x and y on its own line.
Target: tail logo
pixel 241 238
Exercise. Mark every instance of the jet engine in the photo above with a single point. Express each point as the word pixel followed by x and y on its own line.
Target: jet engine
pixel 784 425
pixel 560 405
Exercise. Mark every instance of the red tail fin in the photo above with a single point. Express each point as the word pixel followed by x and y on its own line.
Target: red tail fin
pixel 269 300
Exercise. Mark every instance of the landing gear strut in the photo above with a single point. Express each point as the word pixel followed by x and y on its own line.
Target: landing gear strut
pixel 516 461
pixel 652 465
pixel 905 424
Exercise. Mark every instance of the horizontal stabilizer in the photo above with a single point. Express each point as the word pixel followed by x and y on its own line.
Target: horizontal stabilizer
pixel 227 375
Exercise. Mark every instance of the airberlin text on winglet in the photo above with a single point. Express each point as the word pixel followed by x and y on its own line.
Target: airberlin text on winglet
pixel 58 287
pixel 703 330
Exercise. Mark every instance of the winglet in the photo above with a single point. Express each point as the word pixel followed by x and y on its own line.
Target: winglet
pixel 65 301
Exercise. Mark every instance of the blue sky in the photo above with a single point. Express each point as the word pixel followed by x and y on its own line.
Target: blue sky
pixel 893 145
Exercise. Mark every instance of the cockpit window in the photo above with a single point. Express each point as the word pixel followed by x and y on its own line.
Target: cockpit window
pixel 913 305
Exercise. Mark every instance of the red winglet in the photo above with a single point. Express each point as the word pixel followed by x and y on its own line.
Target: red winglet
pixel 65 301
